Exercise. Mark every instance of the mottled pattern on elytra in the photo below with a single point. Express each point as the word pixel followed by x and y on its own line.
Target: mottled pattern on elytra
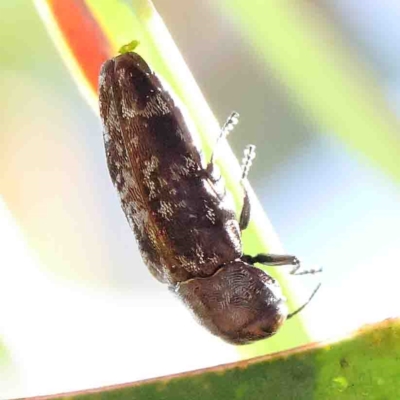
pixel 184 223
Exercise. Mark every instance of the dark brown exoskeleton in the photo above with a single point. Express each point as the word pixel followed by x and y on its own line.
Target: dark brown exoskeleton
pixel 182 217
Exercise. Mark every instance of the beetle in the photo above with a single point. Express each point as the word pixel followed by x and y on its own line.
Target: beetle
pixel 177 206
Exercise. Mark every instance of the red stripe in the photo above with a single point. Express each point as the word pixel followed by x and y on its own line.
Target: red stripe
pixel 84 36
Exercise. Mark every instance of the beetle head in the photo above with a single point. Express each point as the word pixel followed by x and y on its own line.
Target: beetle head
pixel 239 303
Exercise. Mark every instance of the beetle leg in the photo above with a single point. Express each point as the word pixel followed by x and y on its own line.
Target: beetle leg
pixel 249 154
pixel 247 161
pixel 292 314
pixel 246 210
pixel 272 259
pixel 305 272
pixel 277 260
pixel 228 126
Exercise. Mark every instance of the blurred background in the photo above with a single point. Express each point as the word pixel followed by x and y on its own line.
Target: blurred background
pixel 317 85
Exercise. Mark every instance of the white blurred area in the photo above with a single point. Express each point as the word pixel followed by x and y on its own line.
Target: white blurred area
pixel 63 337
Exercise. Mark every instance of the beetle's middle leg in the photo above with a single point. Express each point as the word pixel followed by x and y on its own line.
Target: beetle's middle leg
pixel 277 260
pixel 249 154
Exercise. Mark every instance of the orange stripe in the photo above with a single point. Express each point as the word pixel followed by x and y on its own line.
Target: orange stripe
pixel 84 36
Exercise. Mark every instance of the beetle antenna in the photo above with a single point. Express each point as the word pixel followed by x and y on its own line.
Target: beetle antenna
pixel 302 307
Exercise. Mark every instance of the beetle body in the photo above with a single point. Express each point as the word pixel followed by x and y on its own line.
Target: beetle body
pixel 183 219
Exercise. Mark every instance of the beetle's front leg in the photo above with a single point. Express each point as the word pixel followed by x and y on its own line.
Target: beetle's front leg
pixel 277 260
